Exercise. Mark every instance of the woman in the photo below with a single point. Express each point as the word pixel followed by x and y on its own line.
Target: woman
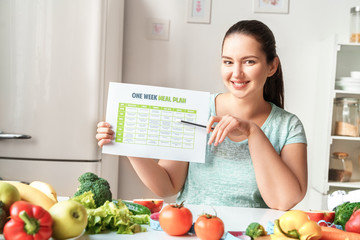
pixel 256 154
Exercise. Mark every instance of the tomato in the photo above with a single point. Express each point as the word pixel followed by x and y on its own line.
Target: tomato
pixel 176 219
pixel 209 227
pixel 353 224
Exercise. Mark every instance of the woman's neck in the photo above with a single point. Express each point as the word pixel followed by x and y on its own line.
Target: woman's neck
pixel 248 109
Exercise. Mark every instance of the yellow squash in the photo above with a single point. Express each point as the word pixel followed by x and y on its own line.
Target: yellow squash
pixel 295 224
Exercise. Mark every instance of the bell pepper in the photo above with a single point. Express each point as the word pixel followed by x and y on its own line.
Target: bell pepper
pixel 28 222
pixel 295 224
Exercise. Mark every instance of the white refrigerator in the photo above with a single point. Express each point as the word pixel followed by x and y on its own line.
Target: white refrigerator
pixel 56 59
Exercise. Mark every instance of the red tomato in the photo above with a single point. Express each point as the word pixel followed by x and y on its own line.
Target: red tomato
pixel 353 224
pixel 175 220
pixel 209 227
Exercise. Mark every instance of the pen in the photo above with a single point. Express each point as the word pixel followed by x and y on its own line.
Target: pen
pixel 191 123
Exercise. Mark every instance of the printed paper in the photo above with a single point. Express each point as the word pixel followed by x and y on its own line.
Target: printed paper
pixel 145 121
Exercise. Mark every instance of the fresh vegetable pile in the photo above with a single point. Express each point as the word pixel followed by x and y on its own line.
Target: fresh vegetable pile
pixel 296 224
pixel 27 212
pixel 31 211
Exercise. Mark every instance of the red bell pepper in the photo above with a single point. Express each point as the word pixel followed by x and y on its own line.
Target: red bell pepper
pixel 353 224
pixel 28 222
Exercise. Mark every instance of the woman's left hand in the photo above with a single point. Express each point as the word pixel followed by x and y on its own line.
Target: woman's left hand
pixel 227 126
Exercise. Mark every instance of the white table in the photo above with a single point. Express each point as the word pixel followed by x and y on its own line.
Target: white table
pixel 234 218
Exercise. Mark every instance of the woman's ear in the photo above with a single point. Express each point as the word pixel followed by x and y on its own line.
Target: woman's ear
pixel 273 66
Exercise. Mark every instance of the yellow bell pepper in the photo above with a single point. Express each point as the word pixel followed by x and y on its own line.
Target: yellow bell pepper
pixel 295 224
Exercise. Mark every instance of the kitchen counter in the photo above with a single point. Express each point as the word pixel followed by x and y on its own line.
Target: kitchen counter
pixel 234 218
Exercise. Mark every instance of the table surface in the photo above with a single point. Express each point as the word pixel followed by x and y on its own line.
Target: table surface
pixel 234 218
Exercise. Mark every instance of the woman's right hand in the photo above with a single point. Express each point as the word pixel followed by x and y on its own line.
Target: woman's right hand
pixel 104 133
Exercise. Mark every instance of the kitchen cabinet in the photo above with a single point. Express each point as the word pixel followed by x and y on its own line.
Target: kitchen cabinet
pixel 336 60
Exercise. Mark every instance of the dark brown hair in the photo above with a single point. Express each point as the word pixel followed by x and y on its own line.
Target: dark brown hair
pixel 274 85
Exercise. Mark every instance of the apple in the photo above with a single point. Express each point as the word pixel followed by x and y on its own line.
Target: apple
pixel 70 219
pixel 8 194
pixel 318 215
pixel 154 205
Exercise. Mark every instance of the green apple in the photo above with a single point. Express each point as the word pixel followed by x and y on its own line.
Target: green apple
pixel 69 219
pixel 8 194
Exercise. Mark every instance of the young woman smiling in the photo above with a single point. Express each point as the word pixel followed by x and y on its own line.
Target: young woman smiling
pixel 256 154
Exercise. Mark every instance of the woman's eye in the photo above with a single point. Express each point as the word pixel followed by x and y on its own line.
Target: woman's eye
pixel 249 62
pixel 226 62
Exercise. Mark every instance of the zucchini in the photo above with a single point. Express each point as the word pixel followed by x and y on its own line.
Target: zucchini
pixel 137 208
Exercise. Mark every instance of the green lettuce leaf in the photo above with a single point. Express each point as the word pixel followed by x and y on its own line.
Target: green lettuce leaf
pixel 86 199
pixel 111 216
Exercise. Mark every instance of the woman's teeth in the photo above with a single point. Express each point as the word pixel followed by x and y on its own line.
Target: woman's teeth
pixel 239 84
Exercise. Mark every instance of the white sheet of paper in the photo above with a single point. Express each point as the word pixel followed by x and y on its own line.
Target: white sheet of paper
pixel 144 119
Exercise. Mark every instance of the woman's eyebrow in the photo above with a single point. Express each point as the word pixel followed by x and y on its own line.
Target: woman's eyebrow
pixel 245 57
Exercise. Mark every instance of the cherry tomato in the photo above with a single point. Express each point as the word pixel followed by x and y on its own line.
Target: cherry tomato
pixel 176 219
pixel 209 227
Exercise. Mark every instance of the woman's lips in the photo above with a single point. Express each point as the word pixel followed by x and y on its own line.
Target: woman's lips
pixel 239 85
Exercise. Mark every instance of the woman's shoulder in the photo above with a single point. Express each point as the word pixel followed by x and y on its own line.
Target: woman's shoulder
pixel 281 113
pixel 285 125
pixel 280 118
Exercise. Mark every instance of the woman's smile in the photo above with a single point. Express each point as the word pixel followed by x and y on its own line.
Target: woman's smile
pixel 239 85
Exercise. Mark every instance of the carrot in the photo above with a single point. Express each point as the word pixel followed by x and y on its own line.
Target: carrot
pixel 329 233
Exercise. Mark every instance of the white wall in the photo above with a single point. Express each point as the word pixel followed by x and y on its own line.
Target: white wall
pixel 191 57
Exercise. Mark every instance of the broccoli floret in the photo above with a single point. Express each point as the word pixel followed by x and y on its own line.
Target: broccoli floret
pixel 98 186
pixel 88 177
pixel 255 230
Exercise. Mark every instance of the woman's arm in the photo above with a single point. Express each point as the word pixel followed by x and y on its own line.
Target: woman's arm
pixel 282 179
pixel 164 177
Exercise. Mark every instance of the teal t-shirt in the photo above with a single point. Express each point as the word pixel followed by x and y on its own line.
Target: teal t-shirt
pixel 227 177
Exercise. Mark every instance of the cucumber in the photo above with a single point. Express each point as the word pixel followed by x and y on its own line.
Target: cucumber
pixel 137 208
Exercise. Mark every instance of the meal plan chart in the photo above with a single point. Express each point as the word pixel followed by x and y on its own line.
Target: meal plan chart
pixel 146 121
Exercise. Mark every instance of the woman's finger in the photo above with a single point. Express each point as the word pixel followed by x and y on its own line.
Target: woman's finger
pixel 104 130
pixel 102 142
pixel 230 126
pixel 213 135
pixel 212 120
pixel 101 136
pixel 221 127
pixel 103 124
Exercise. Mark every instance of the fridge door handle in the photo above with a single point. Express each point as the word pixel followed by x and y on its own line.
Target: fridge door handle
pixel 13 136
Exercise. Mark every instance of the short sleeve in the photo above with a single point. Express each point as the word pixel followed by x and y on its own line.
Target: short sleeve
pixel 296 132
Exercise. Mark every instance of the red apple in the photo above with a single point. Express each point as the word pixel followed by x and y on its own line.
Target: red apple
pixel 318 215
pixel 154 205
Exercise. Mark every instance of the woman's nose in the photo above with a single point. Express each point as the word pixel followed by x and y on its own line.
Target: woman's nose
pixel 238 72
